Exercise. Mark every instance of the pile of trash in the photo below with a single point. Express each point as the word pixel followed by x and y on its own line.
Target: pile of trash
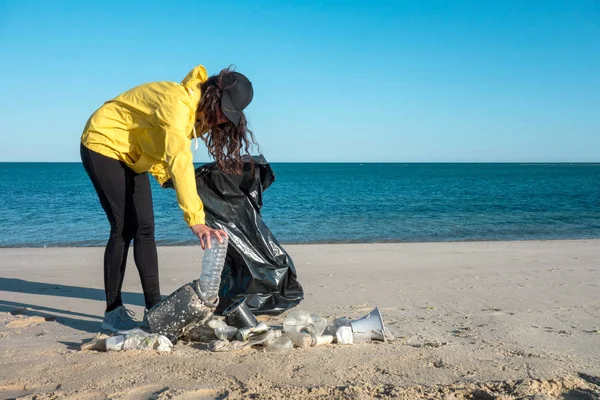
pixel 239 329
pixel 300 329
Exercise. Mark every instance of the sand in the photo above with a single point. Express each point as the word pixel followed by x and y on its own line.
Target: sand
pixel 487 320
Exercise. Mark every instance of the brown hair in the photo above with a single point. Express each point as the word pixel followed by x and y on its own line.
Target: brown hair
pixel 225 141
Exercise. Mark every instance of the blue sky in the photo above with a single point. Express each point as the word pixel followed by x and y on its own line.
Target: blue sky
pixel 397 81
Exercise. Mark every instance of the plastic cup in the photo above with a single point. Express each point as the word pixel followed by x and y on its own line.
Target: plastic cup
pixel 239 315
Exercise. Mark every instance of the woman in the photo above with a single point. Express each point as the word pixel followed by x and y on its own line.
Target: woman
pixel 149 129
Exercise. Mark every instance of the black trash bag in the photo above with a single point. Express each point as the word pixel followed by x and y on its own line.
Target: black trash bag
pixel 256 266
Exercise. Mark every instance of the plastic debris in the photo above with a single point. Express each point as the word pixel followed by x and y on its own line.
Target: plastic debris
pixel 212 267
pixel 300 329
pixel 361 337
pixel 114 343
pixel 321 340
pixel 226 332
pixel 180 312
pixel 96 343
pixel 201 333
pixel 239 315
pixel 371 323
pixel 317 325
pixel 344 335
pixel 245 333
pixel 225 345
pixel 302 321
pixel 300 339
pixel 140 340
pixel 133 340
pixel 279 344
pixel 296 321
pixel 339 322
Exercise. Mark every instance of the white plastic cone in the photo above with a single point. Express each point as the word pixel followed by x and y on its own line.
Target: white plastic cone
pixel 371 323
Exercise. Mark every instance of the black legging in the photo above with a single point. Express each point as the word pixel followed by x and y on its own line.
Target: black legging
pixel 126 198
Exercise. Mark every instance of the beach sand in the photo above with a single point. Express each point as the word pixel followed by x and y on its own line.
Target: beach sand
pixel 485 320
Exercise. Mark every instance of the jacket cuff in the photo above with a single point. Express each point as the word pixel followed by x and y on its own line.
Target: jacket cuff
pixel 195 219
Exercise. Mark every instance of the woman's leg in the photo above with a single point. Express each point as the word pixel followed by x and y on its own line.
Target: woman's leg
pixel 144 246
pixel 109 178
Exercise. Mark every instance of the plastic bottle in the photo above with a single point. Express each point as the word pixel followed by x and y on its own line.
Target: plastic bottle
pixel 300 339
pixel 212 266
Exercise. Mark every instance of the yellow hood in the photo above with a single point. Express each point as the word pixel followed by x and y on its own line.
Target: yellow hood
pixel 195 78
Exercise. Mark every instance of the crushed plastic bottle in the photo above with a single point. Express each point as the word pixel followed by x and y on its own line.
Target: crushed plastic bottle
pixel 282 343
pixel 296 321
pixel 137 340
pixel 212 266
pixel 317 325
pixel 302 321
pixel 140 340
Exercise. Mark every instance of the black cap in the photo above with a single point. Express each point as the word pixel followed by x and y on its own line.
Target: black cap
pixel 237 94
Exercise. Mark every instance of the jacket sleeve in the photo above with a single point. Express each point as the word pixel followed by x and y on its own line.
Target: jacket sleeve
pixel 173 119
pixel 160 172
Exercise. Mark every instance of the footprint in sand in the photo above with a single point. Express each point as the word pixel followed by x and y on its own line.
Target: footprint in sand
pixel 17 391
pixel 87 396
pixel 158 392
pixel 497 310
pixel 200 394
pixel 550 329
pixel 462 331
pixel 13 391
pixel 141 393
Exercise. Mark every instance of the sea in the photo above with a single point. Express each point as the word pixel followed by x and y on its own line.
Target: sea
pixel 54 204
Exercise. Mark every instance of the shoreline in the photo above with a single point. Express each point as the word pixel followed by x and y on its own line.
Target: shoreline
pixel 520 316
pixel 333 243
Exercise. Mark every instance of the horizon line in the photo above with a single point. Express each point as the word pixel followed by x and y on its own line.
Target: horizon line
pixel 350 162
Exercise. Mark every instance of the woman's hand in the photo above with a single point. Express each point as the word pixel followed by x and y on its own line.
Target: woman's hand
pixel 203 232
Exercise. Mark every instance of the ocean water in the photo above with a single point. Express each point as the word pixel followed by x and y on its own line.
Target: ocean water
pixel 54 204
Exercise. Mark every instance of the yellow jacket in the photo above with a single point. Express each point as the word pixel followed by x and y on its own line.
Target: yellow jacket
pixel 150 128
